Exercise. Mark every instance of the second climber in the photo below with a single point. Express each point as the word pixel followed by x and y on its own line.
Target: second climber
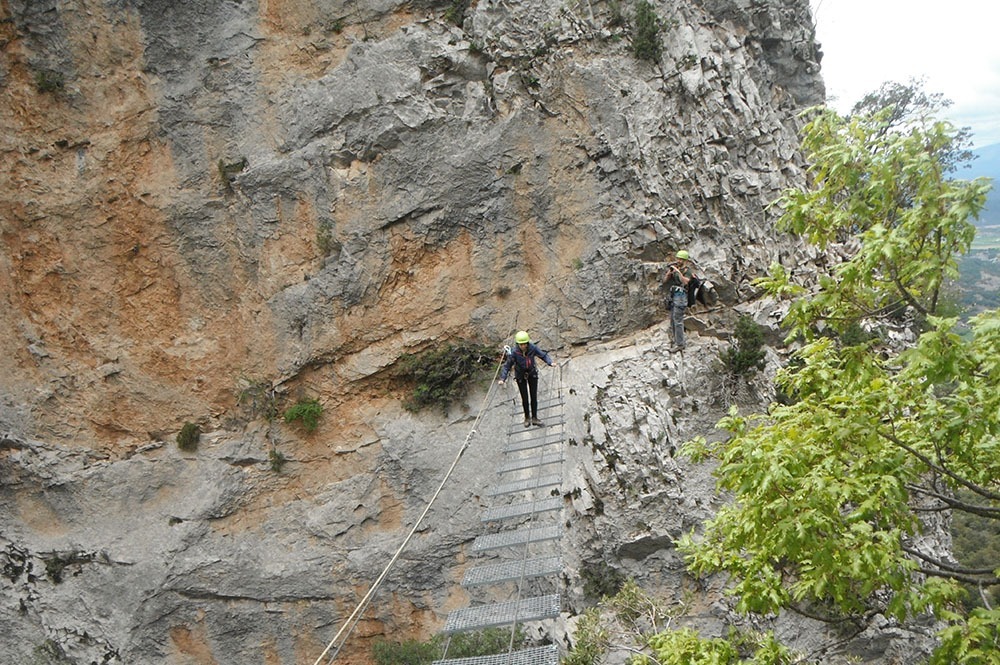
pixel 678 276
pixel 523 359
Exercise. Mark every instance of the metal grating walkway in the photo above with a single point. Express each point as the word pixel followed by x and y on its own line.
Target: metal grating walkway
pixel 532 465
pixel 520 463
pixel 531 443
pixel 512 570
pixel 495 541
pixel 547 655
pixel 537 482
pixel 514 510
pixel 500 614
pixel 519 427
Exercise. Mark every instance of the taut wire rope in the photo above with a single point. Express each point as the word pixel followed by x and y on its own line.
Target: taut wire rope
pixel 355 616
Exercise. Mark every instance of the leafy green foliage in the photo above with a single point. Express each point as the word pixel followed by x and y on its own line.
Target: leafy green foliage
pixel 442 374
pixel 639 623
pixel 829 491
pixel 903 105
pixel 325 242
pixel 888 190
pixel 977 642
pixel 683 646
pixel 746 356
pixel 188 437
pixel 462 645
pixel 646 41
pixel 485 642
pixel 306 412
pixel 616 16
pixel 631 615
pixel 590 641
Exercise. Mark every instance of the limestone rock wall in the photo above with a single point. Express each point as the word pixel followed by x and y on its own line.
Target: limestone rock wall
pixel 198 193
pixel 209 209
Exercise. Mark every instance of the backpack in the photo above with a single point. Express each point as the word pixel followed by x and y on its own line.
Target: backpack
pixel 693 287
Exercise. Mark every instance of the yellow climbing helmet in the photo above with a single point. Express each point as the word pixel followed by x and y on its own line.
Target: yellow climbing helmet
pixel 683 254
pixel 522 337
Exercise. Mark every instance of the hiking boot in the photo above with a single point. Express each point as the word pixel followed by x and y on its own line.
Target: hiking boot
pixel 536 421
pixel 527 422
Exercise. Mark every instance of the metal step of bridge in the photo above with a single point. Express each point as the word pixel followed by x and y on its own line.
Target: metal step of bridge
pixel 517 411
pixel 525 484
pixel 519 426
pixel 514 510
pixel 533 442
pixel 512 570
pixel 535 534
pixel 532 461
pixel 547 655
pixel 501 614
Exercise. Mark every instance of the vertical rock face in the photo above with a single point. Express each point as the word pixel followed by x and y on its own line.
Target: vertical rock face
pixel 210 207
pixel 198 192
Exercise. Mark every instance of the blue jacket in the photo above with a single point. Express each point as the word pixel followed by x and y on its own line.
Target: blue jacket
pixel 524 364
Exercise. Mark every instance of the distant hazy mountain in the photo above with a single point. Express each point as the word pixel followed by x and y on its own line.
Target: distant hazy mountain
pixel 987 163
pixel 980 268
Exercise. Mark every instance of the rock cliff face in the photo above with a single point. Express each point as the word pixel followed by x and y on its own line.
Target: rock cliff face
pixel 206 204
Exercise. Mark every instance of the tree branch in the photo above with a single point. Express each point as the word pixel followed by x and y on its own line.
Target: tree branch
pixel 957 504
pixel 944 566
pixel 969 485
pixel 992 581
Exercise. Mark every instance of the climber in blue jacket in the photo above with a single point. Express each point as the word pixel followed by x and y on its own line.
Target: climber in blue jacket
pixel 522 359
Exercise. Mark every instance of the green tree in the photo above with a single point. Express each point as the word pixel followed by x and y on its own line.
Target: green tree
pixel 908 103
pixel 746 356
pixel 443 375
pixel 830 491
pixel 646 41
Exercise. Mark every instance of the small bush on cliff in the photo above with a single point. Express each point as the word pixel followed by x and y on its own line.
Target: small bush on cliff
pixel 441 376
pixel 746 356
pixel 462 645
pixel 188 437
pixel 646 41
pixel 616 17
pixel 306 412
pixel 325 242
pixel 277 460
pixel 455 14
pixel 48 80
pixel 410 652
pixel 259 399
pixel 50 653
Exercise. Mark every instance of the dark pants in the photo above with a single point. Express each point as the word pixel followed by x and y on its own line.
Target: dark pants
pixel 525 385
pixel 678 303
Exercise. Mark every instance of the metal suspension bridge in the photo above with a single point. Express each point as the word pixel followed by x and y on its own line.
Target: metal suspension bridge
pixel 518 553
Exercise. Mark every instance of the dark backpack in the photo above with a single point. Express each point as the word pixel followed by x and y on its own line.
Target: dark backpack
pixel 694 285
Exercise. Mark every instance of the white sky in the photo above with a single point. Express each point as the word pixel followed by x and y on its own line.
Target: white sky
pixel 953 44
